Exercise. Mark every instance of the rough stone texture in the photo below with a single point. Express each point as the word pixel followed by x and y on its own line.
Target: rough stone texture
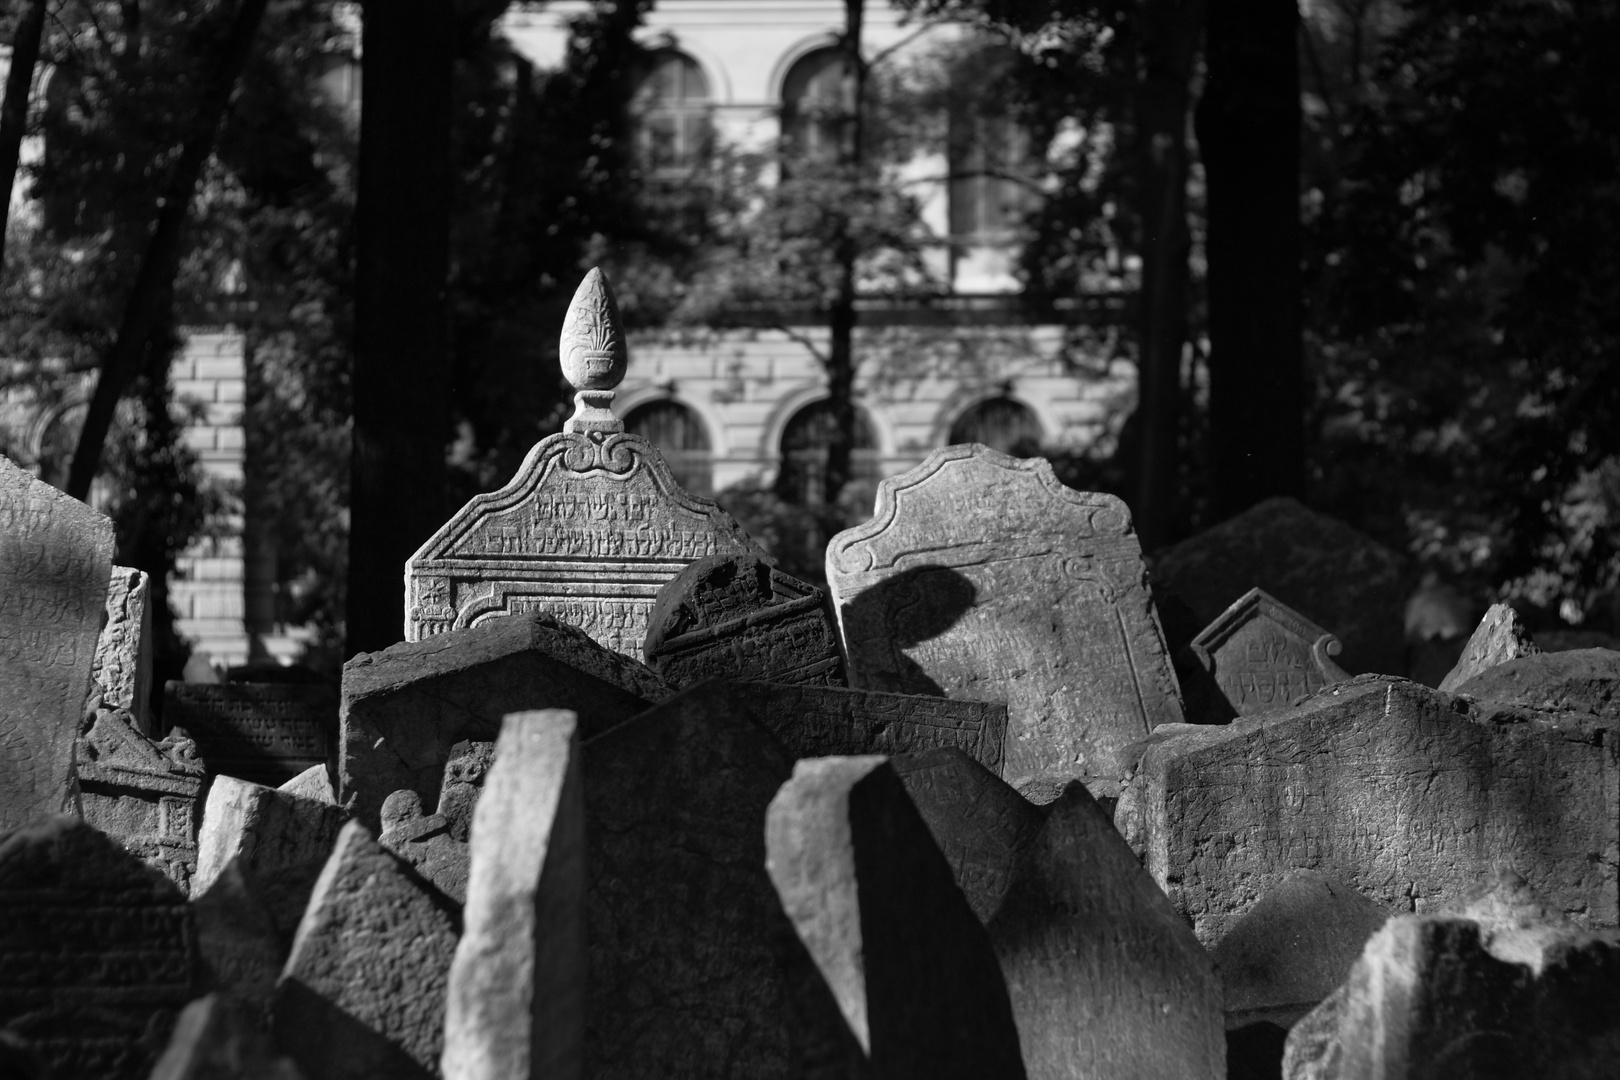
pixel 1106 980
pixel 281 841
pixel 213 1040
pixel 734 617
pixel 516 1004
pixel 242 949
pixel 1292 948
pixel 464 775
pixel 142 793
pixel 363 991
pixel 1501 636
pixel 1261 654
pixel 55 562
pixel 98 952
pixel 875 904
pixel 1319 566
pixel 1580 681
pixel 828 721
pixel 264 732
pixel 979 823
pixel 406 708
pixel 313 783
pixel 424 841
pixel 981 576
pixel 123 663
pixel 1400 792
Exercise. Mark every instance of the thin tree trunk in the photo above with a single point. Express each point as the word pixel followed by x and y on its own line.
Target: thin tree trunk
pixel 151 300
pixel 401 376
pixel 14 109
pixel 841 317
pixel 1248 124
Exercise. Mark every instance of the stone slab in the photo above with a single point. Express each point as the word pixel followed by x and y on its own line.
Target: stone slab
pixel 123 663
pixel 213 1040
pixel 264 732
pixel 314 783
pixel 55 562
pixel 241 947
pixel 1400 792
pixel 405 708
pixel 1500 636
pixel 1262 654
pixel 1581 681
pixel 875 903
pixel 516 1005
pixel 981 576
pixel 424 841
pixel 98 952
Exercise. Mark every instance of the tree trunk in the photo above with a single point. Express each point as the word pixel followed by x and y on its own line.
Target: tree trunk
pixel 401 377
pixel 841 316
pixel 14 110
pixel 151 301
pixel 1248 125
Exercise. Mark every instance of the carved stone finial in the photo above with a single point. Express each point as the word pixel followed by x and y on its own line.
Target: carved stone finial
pixel 593 354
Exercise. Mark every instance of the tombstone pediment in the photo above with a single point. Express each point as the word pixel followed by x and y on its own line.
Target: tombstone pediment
pixel 1263 654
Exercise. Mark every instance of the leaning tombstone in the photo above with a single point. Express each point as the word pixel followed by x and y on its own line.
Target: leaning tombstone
pixel 1262 654
pixel 981 576
pixel 735 617
pixel 363 991
pixel 589 529
pixel 98 952
pixel 213 1040
pixel 264 732
pixel 55 562
pixel 516 1005
pixel 314 783
pixel 123 665
pixel 1500 636
pixel 874 902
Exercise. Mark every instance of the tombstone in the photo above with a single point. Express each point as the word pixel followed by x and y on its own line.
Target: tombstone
pixel 981 576
pixel 213 1040
pixel 1500 636
pixel 55 562
pixel 516 1005
pixel 1318 566
pixel 1582 681
pixel 264 732
pixel 830 721
pixel 464 773
pixel 1262 655
pixel 734 617
pixel 241 947
pixel 424 841
pixel 123 663
pixel 313 783
pixel 142 793
pixel 281 841
pixel 363 991
pixel 875 904
pixel 1399 792
pixel 589 529
pixel 407 707
pixel 97 951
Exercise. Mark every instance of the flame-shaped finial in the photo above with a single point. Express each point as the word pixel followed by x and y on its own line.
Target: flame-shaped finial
pixel 593 354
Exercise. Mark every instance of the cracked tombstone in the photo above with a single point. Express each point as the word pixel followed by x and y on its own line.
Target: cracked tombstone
pixel 1262 654
pixel 55 563
pixel 981 576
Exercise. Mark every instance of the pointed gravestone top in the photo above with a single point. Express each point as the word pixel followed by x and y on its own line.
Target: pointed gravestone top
pixel 1500 636
pixel 589 528
pixel 1262 654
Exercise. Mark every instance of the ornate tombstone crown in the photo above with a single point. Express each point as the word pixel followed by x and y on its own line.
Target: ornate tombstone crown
pixel 593 355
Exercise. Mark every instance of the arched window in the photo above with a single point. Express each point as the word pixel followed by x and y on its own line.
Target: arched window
pixel 817 104
pixel 803 478
pixel 1001 424
pixel 988 153
pixel 679 436
pixel 671 108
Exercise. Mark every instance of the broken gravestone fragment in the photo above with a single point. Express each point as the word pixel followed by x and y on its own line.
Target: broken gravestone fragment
pixel 516 1004
pixel 1581 682
pixel 215 1040
pixel 363 991
pixel 735 617
pixel 406 708
pixel 1262 654
pixel 875 904
pixel 589 529
pixel 264 732
pixel 55 562
pixel 424 841
pixel 1500 636
pixel 981 576
pixel 98 952
pixel 123 663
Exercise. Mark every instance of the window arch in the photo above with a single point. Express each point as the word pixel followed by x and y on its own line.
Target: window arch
pixel 817 104
pixel 803 476
pixel 1001 424
pixel 671 108
pixel 680 436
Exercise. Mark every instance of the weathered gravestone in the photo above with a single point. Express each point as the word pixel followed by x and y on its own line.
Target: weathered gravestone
pixel 1400 792
pixel 215 1040
pixel 830 721
pixel 406 708
pixel 589 529
pixel 516 1006
pixel 314 783
pixel 1262 654
pixel 424 841
pixel 242 948
pixel 981 576
pixel 464 773
pixel 264 732
pixel 1581 681
pixel 875 904
pixel 55 562
pixel 735 617
pixel 98 952
pixel 363 991
pixel 123 663
pixel 1500 636
pixel 1320 567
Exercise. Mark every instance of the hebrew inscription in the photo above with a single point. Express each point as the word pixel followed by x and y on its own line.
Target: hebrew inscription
pixel 264 732
pixel 1264 654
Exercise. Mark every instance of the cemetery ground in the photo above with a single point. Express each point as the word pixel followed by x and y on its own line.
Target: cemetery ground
pixel 627 800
